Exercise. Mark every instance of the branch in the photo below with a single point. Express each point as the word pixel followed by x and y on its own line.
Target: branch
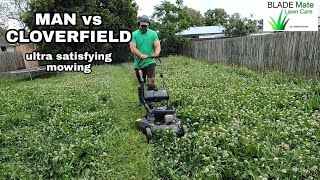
pixel 12 10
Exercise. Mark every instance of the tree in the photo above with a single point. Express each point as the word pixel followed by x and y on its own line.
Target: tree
pixel 235 26
pixel 215 17
pixel 260 24
pixel 11 10
pixel 197 18
pixel 116 15
pixel 169 19
pixel 238 26
pixel 2 32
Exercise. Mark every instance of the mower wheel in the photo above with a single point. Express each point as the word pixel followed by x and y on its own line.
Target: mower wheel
pixel 148 134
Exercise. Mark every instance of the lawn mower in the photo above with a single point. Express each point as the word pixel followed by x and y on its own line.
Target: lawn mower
pixel 157 117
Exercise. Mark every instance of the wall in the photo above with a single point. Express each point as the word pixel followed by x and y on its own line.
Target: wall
pixel 294 52
pixel 11 48
pixel 10 61
pixel 27 48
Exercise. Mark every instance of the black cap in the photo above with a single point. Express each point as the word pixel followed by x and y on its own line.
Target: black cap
pixel 144 20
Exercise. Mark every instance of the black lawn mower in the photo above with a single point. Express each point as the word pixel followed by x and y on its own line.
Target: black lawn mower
pixel 157 117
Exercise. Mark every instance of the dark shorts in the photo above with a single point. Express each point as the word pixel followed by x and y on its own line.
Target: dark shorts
pixel 149 71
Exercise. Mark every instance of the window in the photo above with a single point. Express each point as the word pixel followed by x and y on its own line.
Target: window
pixel 3 49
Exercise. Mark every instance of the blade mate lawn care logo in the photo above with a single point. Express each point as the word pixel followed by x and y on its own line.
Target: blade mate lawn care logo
pixel 280 24
pixel 291 15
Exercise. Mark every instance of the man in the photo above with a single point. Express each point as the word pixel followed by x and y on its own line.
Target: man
pixel 145 44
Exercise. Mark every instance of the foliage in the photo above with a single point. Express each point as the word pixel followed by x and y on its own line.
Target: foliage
pixel 2 32
pixel 116 15
pixel 234 25
pixel 168 20
pixel 260 24
pixel 215 17
pixel 238 26
pixel 11 11
pixel 197 18
pixel 242 124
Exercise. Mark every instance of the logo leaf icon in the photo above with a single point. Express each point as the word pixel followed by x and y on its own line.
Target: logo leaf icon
pixel 279 21
pixel 284 19
pixel 273 27
pixel 281 24
pixel 285 24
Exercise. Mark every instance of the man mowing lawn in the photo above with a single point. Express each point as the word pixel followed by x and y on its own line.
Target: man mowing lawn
pixel 145 46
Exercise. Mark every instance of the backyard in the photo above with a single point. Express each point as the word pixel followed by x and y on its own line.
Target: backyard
pixel 242 125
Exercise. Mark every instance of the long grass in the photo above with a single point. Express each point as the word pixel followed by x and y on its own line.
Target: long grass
pixel 242 125
pixel 72 126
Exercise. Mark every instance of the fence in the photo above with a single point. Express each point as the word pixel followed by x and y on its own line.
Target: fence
pixel 10 61
pixel 294 52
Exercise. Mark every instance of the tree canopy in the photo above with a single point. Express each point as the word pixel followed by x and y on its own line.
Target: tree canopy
pixel 196 16
pixel 2 31
pixel 238 26
pixel 169 19
pixel 215 17
pixel 11 10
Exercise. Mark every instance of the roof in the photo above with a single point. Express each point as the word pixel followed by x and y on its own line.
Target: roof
pixel 262 32
pixel 203 30
pixel 4 43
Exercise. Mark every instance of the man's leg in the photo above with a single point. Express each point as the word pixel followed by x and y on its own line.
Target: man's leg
pixel 151 72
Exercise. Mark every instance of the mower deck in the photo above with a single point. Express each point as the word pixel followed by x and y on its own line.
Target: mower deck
pixel 143 123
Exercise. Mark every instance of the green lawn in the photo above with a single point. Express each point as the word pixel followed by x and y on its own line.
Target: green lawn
pixel 243 125
pixel 73 125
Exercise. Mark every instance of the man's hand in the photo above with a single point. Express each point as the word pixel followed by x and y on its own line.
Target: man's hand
pixel 154 55
pixel 143 56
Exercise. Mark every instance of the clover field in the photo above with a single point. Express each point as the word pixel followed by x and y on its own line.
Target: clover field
pixel 242 125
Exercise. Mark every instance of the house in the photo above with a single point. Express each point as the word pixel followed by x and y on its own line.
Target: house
pixel 22 48
pixel 5 46
pixel 200 32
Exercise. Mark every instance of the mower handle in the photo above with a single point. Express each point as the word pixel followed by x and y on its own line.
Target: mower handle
pixel 140 75
pixel 158 57
pixel 142 90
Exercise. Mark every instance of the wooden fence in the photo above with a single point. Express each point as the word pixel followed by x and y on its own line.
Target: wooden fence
pixel 294 52
pixel 10 61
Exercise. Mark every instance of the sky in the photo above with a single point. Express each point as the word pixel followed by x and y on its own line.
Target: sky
pixel 244 7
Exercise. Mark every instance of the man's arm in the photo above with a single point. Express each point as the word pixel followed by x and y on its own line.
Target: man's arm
pixel 156 45
pixel 135 51
pixel 157 48
pixel 133 47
